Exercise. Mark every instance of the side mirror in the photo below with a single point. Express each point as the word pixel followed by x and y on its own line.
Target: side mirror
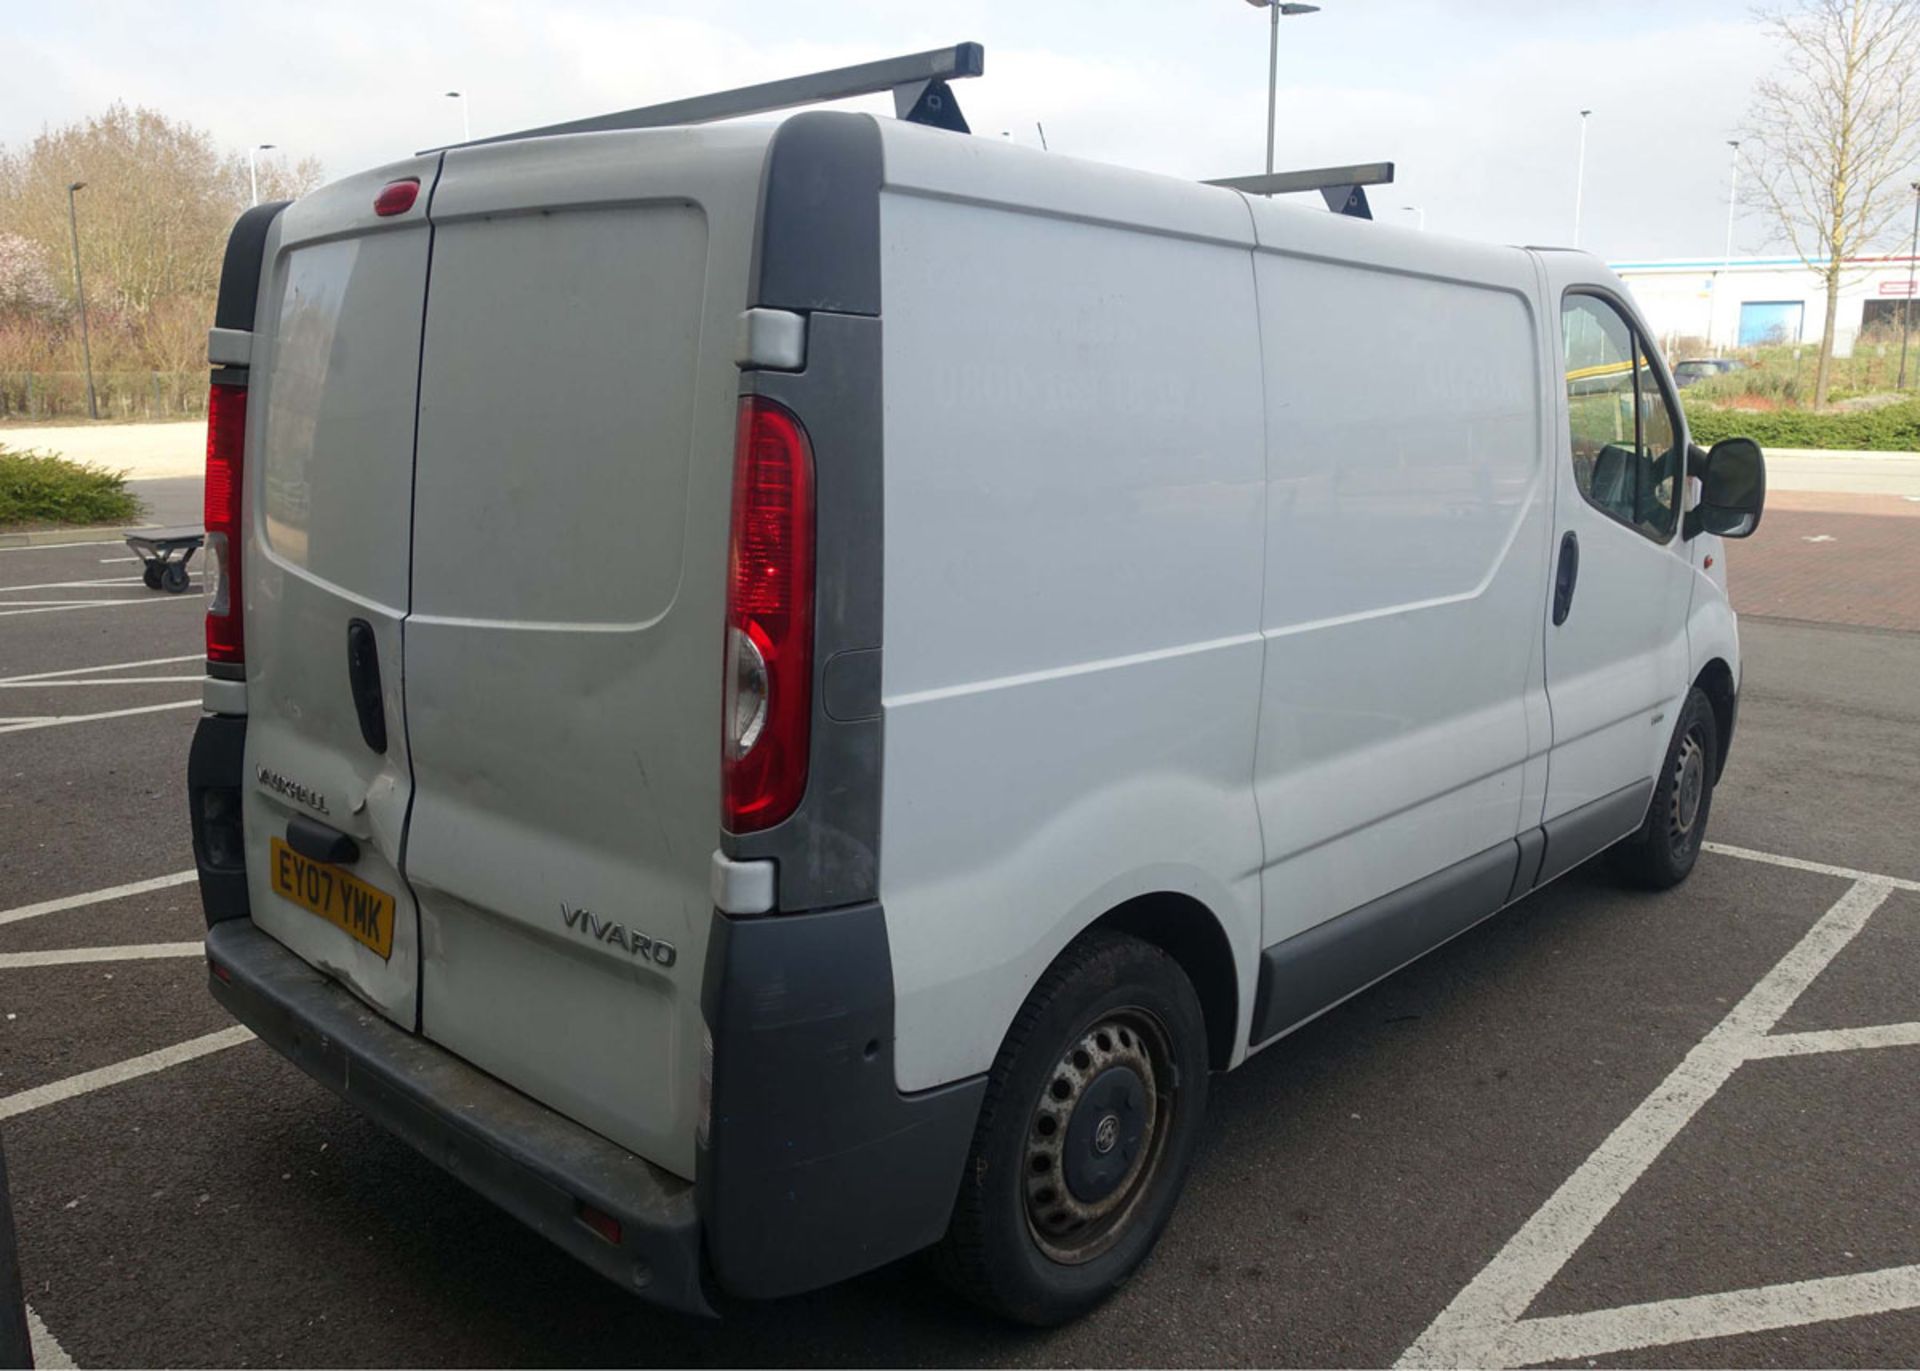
pixel 1733 489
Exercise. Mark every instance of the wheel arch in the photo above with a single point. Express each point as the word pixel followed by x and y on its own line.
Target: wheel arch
pixel 1187 931
pixel 1716 681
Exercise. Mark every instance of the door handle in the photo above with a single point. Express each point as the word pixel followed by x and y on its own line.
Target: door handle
pixel 363 677
pixel 1564 576
pixel 315 840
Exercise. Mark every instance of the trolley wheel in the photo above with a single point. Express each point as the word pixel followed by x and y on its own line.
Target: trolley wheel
pixel 173 578
pixel 151 575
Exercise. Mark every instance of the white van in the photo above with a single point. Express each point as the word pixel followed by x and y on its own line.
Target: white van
pixel 782 695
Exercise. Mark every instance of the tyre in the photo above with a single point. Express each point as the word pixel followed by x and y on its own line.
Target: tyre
pixel 151 575
pixel 1664 850
pixel 173 580
pixel 1090 1121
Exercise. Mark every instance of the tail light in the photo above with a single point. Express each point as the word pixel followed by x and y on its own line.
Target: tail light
pixel 226 440
pixel 768 691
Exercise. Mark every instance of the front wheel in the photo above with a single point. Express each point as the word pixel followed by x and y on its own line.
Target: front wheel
pixel 1091 1117
pixel 1664 850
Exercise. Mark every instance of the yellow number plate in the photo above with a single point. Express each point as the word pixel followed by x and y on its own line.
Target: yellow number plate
pixel 364 912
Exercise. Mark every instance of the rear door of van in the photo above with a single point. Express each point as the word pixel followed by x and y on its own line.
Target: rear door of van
pixel 578 397
pixel 324 575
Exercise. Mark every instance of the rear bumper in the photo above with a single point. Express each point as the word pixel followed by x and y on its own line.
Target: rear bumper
pixel 529 1160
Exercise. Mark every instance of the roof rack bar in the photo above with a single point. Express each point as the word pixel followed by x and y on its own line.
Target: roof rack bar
pixel 920 78
pixel 1318 178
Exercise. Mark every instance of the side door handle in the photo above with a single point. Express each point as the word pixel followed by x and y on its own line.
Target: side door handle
pixel 1565 574
pixel 363 677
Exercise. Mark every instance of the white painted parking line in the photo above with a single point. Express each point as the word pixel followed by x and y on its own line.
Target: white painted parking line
pixel 112 892
pixel 28 725
pixel 77 585
pixel 1758 1310
pixel 1747 854
pixel 84 542
pixel 1838 1040
pixel 106 666
pixel 108 681
pixel 1484 1324
pixel 68 606
pixel 105 560
pixel 133 1068
pixel 76 956
pixel 48 1354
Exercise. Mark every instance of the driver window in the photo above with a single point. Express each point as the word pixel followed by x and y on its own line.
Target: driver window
pixel 1626 450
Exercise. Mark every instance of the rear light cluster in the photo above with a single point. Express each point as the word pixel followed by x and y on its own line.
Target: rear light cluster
pixel 768 691
pixel 226 442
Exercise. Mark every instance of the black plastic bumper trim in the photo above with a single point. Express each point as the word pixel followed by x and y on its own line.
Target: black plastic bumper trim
pixel 215 770
pixel 817 1168
pixel 529 1160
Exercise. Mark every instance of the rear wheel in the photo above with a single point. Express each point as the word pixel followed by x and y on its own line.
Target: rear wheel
pixel 151 575
pixel 1663 852
pixel 1089 1125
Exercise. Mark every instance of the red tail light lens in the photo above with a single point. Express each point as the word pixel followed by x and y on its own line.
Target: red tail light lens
pixel 226 443
pixel 768 693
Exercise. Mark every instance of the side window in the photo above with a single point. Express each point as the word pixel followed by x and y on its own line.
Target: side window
pixel 1626 450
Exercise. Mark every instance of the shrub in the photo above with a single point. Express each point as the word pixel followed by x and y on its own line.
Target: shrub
pixel 1891 428
pixel 40 488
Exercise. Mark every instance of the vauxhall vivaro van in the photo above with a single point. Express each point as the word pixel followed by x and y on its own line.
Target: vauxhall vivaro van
pixel 783 695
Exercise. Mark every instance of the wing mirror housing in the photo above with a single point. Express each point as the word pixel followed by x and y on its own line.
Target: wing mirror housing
pixel 1733 489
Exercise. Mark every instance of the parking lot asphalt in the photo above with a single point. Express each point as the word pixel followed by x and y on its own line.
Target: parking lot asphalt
pixel 1605 1127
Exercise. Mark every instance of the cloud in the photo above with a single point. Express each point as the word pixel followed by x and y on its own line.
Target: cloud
pixel 1476 105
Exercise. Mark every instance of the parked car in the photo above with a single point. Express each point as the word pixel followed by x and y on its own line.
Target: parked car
pixel 781 696
pixel 1700 368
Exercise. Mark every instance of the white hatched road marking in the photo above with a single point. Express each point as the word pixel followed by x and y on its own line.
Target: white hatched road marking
pixel 1484 1325
pixel 1758 1310
pixel 112 892
pixel 48 1354
pixel 107 666
pixel 1747 854
pixel 125 952
pixel 54 721
pixel 133 1068
pixel 1837 1040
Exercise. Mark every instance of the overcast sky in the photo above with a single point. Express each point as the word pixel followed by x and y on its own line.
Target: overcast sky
pixel 1476 101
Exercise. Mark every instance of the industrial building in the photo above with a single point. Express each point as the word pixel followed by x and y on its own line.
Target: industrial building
pixel 1749 301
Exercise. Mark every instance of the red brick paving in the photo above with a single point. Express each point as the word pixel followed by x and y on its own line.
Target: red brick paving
pixel 1863 570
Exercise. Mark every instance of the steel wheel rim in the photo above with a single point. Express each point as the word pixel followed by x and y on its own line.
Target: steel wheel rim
pixel 1689 790
pixel 1068 1229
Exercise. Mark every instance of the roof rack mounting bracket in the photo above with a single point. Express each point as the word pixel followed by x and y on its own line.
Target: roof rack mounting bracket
pixel 918 82
pixel 1343 188
pixel 930 103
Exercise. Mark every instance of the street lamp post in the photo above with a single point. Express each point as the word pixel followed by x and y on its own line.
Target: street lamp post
pixel 1906 315
pixel 1580 179
pixel 1726 255
pixel 253 168
pixel 466 120
pixel 1273 59
pixel 80 293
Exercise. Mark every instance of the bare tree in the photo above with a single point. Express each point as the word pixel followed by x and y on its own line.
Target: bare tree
pixel 1831 137
pixel 160 197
